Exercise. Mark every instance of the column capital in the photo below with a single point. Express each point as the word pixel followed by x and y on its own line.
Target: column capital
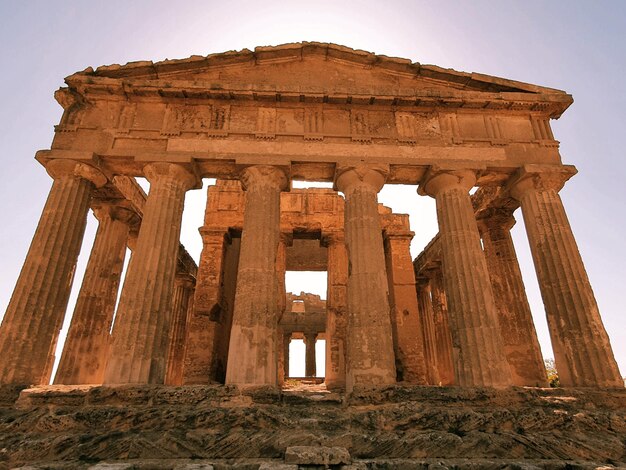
pixel 310 335
pixel 422 281
pixel 157 170
pixel 214 233
pixel 395 235
pixel 495 218
pixel 286 238
pixel 439 178
pixel 60 168
pixel 330 237
pixel 431 272
pixel 184 279
pixel 348 177
pixel 264 176
pixel 115 210
pixel 539 178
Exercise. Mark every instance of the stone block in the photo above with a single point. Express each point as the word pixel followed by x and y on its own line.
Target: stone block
pixel 112 466
pixel 317 455
pixel 277 466
pixel 195 466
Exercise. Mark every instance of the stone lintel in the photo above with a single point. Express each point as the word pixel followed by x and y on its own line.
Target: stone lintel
pixel 211 162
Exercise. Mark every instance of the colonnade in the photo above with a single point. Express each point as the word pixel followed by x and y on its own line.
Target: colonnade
pixel 475 323
pixel 310 357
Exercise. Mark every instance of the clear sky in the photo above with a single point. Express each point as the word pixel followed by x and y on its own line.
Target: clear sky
pixel 571 45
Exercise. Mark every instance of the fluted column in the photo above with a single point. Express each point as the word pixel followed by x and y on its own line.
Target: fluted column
pixel 369 352
pixel 429 338
pixel 253 352
pixel 181 302
pixel 336 306
pixel 207 316
pixel 281 269
pixel 478 347
pixel 86 347
pixel 139 344
pixel 443 335
pixel 521 345
pixel 35 313
pixel 405 321
pixel 309 354
pixel 583 353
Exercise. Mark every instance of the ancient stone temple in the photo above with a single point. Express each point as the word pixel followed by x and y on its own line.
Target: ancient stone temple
pixel 408 338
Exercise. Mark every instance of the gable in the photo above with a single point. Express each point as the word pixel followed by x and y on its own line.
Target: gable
pixel 307 74
pixel 323 67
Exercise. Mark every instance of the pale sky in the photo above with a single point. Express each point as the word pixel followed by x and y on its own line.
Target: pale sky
pixel 576 46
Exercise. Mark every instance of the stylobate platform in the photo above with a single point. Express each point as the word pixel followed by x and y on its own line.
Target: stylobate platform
pixel 397 427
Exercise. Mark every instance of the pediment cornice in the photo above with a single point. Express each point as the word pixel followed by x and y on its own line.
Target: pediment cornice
pixel 411 83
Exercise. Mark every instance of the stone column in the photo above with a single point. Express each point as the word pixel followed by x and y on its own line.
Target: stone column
pixel 286 343
pixel 139 344
pixel 253 352
pixel 181 303
pixel 86 347
pixel 281 269
pixel 208 313
pixel 35 313
pixel 336 305
pixel 583 353
pixel 521 345
pixel 285 240
pixel 428 330
pixel 369 353
pixel 478 347
pixel 443 335
pixel 309 357
pixel 405 321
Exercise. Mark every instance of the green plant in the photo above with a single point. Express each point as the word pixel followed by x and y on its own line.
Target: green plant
pixel 553 376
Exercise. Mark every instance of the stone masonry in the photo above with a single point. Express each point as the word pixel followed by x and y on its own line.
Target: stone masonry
pixel 480 146
pixel 425 358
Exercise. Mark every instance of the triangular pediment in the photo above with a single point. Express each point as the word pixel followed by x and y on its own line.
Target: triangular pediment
pixel 310 67
pixel 310 73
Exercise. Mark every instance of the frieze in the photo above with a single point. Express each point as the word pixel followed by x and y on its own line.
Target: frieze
pixel 266 123
pixel 542 132
pixel 360 126
pixel 450 127
pixel 320 122
pixel 412 127
pixel 313 124
pixel 208 119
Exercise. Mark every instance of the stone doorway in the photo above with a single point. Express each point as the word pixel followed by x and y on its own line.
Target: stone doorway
pixel 303 323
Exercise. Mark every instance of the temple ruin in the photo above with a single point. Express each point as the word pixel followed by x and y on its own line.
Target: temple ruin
pixel 456 316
